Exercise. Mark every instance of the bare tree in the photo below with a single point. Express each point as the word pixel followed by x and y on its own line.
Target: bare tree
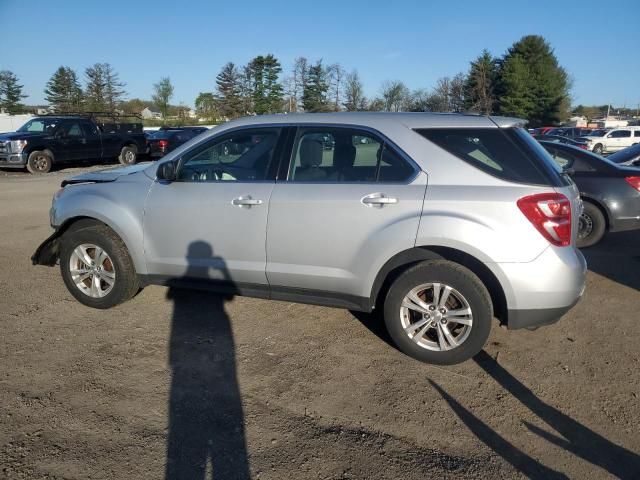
pixel 457 92
pixel 299 79
pixel 354 98
pixel 336 77
pixel 395 95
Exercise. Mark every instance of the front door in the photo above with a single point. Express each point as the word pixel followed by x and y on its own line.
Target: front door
pixel 349 202
pixel 210 224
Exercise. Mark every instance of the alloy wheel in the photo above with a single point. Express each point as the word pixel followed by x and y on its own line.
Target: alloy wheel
pixel 92 270
pixel 436 316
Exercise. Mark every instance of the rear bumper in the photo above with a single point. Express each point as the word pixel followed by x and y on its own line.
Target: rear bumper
pixel 540 292
pixel 13 160
pixel 536 317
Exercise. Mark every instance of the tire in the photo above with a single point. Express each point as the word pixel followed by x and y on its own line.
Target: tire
pixel 128 155
pixel 39 161
pixel 466 287
pixel 592 226
pixel 598 148
pixel 115 277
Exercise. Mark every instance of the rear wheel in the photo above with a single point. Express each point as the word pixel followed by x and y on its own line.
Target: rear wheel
pixel 598 149
pixel 438 312
pixel 128 155
pixel 591 226
pixel 96 267
pixel 39 161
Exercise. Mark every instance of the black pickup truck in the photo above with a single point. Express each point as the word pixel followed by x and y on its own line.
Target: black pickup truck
pixel 51 139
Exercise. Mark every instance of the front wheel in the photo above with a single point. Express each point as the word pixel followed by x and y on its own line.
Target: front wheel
pixel 591 226
pixel 39 162
pixel 598 149
pixel 438 312
pixel 96 267
pixel 128 155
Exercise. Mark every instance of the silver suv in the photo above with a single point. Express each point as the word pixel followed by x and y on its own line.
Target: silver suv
pixel 439 221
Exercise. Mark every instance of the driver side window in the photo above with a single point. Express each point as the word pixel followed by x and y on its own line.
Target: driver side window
pixel 240 156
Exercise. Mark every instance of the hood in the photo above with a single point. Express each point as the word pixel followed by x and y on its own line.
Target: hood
pixel 21 136
pixel 102 176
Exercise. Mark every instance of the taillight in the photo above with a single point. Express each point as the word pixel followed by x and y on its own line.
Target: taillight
pixel 163 144
pixel 550 213
pixel 634 182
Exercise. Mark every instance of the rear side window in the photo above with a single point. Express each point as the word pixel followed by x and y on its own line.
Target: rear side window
pixel 636 133
pixel 508 154
pixel 337 154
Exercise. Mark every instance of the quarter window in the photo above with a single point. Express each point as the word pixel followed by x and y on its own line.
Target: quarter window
pixel 345 155
pixel 239 156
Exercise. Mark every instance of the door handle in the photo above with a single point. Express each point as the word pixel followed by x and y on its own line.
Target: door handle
pixel 378 200
pixel 245 201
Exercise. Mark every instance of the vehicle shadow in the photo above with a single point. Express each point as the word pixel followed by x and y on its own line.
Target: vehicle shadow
pixel 617 257
pixel 206 419
pixel 574 437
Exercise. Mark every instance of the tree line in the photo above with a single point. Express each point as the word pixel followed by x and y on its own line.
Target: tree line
pixel 527 82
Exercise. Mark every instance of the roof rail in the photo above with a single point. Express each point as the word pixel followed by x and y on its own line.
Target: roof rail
pixel 112 115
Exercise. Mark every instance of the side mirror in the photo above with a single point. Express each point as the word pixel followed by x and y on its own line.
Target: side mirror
pixel 167 171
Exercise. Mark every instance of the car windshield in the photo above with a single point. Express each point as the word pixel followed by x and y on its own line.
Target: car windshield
pixel 40 125
pixel 598 133
pixel 631 153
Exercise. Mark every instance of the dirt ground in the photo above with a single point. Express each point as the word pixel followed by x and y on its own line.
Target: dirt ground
pixel 190 385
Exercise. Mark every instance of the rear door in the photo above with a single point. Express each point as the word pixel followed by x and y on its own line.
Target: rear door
pixel 346 200
pixel 93 143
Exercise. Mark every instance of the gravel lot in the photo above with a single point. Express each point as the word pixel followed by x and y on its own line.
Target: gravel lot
pixel 192 384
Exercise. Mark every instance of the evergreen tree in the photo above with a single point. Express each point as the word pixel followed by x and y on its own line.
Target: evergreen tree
pixel 63 92
pixel 267 91
pixel 104 90
pixel 10 93
pixel 228 86
pixel 532 84
pixel 163 91
pixel 314 96
pixel 480 84
pixel 114 88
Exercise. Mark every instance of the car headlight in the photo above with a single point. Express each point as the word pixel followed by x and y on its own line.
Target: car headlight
pixel 18 145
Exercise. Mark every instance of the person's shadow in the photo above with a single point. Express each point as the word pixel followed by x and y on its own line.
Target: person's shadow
pixel 206 421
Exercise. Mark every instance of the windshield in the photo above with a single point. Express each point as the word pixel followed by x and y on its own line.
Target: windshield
pixel 626 155
pixel 40 125
pixel 598 133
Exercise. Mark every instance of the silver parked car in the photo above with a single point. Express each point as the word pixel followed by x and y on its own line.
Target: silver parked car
pixel 440 221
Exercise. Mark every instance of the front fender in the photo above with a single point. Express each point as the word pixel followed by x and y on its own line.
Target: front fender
pixel 119 205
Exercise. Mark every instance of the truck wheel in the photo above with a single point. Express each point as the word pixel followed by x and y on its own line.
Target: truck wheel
pixel 438 312
pixel 128 155
pixel 598 149
pixel 591 226
pixel 39 162
pixel 96 267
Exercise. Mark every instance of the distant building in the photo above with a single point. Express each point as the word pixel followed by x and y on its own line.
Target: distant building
pixel 610 122
pixel 149 114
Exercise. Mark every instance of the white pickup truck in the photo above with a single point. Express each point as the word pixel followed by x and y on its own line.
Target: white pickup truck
pixel 608 141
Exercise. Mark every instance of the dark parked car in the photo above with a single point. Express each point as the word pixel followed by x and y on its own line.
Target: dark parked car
pixel 610 193
pixel 558 139
pixel 571 132
pixel 49 139
pixel 169 138
pixel 629 157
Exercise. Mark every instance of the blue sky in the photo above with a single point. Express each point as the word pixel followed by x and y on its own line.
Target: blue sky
pixel 413 41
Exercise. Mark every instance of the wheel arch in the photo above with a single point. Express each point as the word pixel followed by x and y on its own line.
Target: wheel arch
pixel 405 259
